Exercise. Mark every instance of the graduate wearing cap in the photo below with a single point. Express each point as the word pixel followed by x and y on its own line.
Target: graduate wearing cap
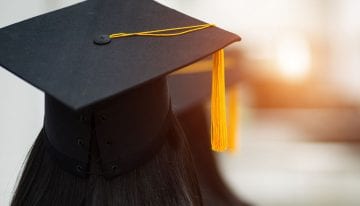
pixel 110 136
pixel 190 106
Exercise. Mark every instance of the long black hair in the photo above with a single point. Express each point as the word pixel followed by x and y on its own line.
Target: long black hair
pixel 215 192
pixel 167 179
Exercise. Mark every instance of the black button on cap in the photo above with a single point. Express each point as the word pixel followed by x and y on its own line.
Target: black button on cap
pixel 114 167
pixel 79 168
pixel 102 39
pixel 103 118
pixel 83 118
pixel 108 142
pixel 80 142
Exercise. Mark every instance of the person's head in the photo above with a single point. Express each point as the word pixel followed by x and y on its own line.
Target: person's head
pixel 108 124
pixel 148 165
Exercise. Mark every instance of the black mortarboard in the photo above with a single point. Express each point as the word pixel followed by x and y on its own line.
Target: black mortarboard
pixel 71 56
pixel 55 51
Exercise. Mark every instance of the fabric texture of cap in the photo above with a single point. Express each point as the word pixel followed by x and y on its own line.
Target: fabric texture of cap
pixel 56 53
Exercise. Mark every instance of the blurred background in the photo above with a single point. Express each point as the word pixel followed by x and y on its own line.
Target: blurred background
pixel 299 129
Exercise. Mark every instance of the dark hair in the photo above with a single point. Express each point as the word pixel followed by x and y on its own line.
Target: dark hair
pixel 214 190
pixel 167 179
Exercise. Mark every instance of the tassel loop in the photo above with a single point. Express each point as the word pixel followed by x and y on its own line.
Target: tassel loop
pixel 177 31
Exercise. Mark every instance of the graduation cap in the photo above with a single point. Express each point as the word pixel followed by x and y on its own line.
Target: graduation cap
pixel 191 86
pixel 86 54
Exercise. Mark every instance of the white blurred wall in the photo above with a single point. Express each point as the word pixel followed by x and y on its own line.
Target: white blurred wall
pixel 343 29
pixel 333 24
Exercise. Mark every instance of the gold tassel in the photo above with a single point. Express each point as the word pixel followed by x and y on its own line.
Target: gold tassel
pixel 233 117
pixel 219 138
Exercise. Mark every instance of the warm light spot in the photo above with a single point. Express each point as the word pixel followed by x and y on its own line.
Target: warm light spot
pixel 293 56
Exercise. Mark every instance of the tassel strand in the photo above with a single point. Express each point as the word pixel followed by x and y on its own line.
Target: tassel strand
pixel 219 138
pixel 233 118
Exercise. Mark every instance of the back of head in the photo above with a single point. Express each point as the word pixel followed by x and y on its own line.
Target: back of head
pixel 164 175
